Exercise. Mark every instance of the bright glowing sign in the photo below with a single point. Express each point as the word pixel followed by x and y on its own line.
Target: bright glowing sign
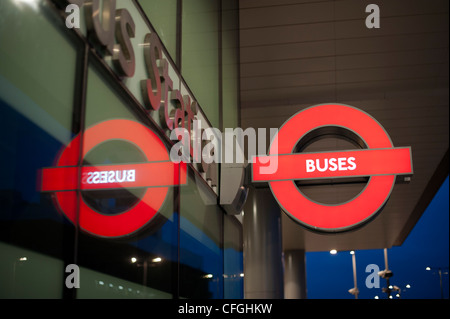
pixel 380 160
pixel 157 174
pixel 337 164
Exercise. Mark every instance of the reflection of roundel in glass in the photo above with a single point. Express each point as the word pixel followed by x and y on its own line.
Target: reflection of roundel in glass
pixel 155 175
pixel 380 161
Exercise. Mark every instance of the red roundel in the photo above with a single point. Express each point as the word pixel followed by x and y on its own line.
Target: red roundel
pixel 380 161
pixel 157 174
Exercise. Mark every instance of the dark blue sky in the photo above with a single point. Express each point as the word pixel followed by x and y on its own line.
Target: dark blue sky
pixel 330 276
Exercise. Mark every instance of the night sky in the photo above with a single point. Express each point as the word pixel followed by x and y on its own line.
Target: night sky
pixel 330 276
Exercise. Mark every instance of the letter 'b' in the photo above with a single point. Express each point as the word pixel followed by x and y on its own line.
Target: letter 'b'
pixel 310 166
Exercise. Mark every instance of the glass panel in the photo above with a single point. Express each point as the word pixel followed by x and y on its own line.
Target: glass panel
pixel 30 44
pixel 26 273
pixel 200 54
pixel 233 259
pixel 201 259
pixel 36 107
pixel 163 17
pixel 37 74
pixel 129 237
pixel 230 63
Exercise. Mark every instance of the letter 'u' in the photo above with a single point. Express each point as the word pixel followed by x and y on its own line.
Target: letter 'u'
pixel 325 165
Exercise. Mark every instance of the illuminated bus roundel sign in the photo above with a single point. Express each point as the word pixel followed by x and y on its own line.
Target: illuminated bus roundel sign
pixel 157 174
pixel 379 160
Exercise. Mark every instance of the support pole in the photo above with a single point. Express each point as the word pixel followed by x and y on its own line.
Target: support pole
pixel 294 274
pixel 263 267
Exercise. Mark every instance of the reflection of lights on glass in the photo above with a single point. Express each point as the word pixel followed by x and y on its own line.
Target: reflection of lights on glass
pixel 333 251
pixel 157 260
pixel 208 276
pixel 23 258
pixel 31 3
pixel 101 283
pixel 241 274
pixel 133 259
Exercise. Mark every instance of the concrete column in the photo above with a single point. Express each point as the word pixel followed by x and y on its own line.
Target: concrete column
pixel 263 266
pixel 294 274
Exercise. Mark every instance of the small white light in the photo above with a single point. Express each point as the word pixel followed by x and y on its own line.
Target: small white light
pixel 397 295
pixel 352 252
pixel 428 268
pixel 23 258
pixel 390 297
pixel 241 274
pixel 408 286
pixel 376 297
pixel 333 251
pixel 157 260
pixel 133 259
pixel 208 276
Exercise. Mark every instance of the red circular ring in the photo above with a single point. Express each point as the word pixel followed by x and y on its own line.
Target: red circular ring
pixel 137 216
pixel 341 217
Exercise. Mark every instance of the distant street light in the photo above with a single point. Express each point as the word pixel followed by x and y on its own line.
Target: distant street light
pixel 386 274
pixel 145 264
pixel 439 269
pixel 354 291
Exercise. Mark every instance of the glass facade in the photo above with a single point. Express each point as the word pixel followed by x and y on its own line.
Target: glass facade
pixel 37 75
pixel 59 94
pixel 200 57
pixel 163 17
